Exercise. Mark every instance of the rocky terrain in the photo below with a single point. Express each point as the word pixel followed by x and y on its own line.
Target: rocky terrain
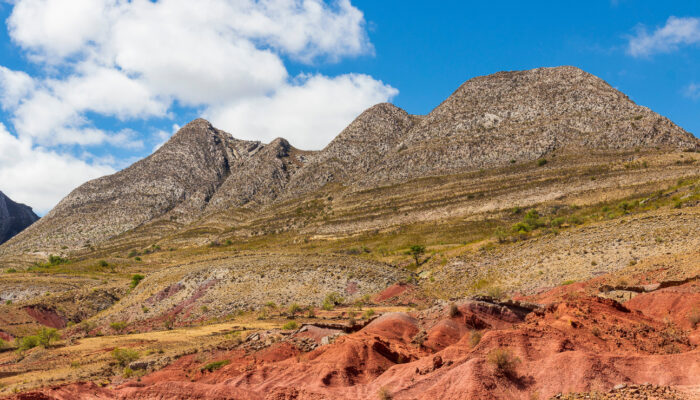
pixel 535 236
pixel 14 218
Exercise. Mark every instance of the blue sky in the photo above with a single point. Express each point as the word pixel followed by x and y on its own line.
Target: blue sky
pixel 89 86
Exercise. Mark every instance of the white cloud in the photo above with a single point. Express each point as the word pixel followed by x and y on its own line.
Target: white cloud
pixel 692 91
pixel 40 177
pixel 137 59
pixel 309 113
pixel 14 86
pixel 676 32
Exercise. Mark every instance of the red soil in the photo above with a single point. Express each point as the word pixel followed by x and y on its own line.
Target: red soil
pixel 578 344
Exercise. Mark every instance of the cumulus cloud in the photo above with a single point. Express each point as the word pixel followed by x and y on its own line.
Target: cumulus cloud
pixel 309 113
pixel 40 177
pixel 675 33
pixel 142 59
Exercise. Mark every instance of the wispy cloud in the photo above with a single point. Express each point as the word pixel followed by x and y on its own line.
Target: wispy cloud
pixel 675 33
pixel 692 91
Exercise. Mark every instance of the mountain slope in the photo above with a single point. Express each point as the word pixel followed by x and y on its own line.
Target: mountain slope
pixel 489 122
pixel 524 115
pixel 177 180
pixel 14 218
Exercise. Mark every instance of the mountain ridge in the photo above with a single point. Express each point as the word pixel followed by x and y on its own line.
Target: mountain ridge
pixel 488 122
pixel 14 217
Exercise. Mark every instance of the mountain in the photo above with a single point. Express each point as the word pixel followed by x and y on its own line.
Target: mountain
pixel 489 122
pixel 14 218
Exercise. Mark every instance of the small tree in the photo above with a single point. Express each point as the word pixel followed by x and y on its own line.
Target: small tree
pixel 118 326
pixel 46 336
pixel 416 251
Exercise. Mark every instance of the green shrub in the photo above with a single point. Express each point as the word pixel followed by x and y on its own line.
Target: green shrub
pixel 125 356
pixel 294 309
pixel 475 338
pixel 332 299
pixel 103 264
pixel 213 366
pixel 118 326
pixel 56 260
pixel 541 162
pixel 46 336
pixel 290 326
pixel 127 372
pixel 503 360
pixel 368 314
pixel 556 222
pixel 26 343
pixel 136 279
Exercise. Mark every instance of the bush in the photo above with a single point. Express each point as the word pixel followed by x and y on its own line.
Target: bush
pixel 332 299
pixel 118 326
pixel 556 222
pixel 503 360
pixel 125 356
pixel 294 309
pixel 454 310
pixel 46 336
pixel 136 279
pixel 27 342
pixel 290 326
pixel 368 314
pixel 127 372
pixel 213 366
pixel 103 264
pixel 475 338
pixel 416 251
pixel 541 162
pixel 694 317
pixel 56 260
pixel 384 394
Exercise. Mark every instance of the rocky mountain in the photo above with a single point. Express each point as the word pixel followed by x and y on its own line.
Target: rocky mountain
pixel 491 121
pixel 14 218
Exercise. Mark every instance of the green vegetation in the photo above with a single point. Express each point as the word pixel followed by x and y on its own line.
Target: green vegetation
pixel 118 326
pixel 124 357
pixel 503 360
pixel 541 162
pixel 294 309
pixel 368 314
pixel 384 394
pixel 290 326
pixel 26 343
pixel 332 299
pixel 136 279
pixel 475 338
pixel 213 366
pixel 454 310
pixel 416 251
pixel 46 336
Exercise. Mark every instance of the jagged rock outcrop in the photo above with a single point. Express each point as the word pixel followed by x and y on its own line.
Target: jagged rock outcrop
pixel 14 218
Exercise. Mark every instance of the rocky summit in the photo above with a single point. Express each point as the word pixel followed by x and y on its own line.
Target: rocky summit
pixel 14 218
pixel 535 236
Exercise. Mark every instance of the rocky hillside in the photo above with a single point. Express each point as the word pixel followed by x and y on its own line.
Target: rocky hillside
pixel 14 218
pixel 489 122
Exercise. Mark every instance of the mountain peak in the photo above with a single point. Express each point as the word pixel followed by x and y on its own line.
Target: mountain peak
pixel 14 217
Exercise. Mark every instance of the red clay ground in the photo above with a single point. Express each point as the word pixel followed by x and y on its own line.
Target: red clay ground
pixel 577 344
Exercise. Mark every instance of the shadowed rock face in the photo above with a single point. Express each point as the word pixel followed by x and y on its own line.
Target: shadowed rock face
pixel 14 218
pixel 487 123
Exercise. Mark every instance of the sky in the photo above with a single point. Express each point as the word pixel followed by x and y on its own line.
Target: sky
pixel 87 87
